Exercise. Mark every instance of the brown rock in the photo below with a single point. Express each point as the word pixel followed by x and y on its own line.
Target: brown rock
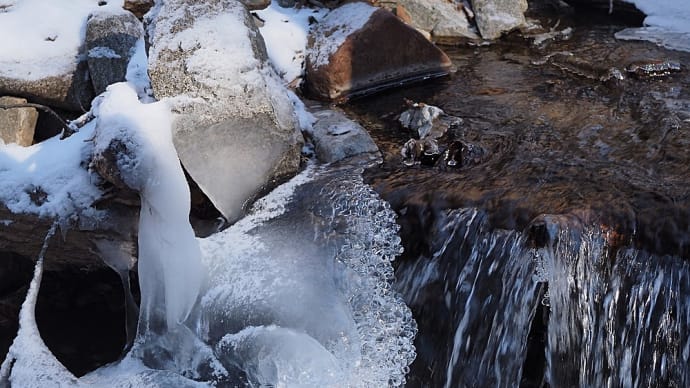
pixel 17 124
pixel 359 49
pixel 255 5
pixel 138 7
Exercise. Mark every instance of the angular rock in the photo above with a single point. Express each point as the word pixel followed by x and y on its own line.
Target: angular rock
pixel 336 137
pixel 446 23
pixel 71 90
pixel 138 7
pixel 234 129
pixel 494 17
pixel 359 49
pixel 110 41
pixel 17 125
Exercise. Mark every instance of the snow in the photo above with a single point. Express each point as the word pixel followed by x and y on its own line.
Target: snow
pixel 42 38
pixel 667 23
pixel 102 52
pixel 52 173
pixel 336 27
pixel 170 269
pixel 285 32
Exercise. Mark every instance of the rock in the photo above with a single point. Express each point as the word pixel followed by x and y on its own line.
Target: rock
pixel 336 137
pixel 138 7
pixel 71 90
pixel 616 8
pixel 234 128
pixel 359 49
pixel 446 23
pixel 420 118
pixel 495 17
pixel 255 5
pixel 110 41
pixel 17 125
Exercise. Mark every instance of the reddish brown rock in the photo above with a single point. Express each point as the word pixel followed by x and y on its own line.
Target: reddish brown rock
pixel 138 7
pixel 359 49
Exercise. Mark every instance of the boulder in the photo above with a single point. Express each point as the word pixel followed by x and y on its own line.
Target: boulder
pixel 494 17
pixel 444 20
pixel 17 125
pixel 234 128
pixel 138 7
pixel 110 41
pixel 359 49
pixel 71 90
pixel 255 5
pixel 336 137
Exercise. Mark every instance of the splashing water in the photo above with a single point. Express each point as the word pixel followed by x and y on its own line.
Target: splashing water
pixel 298 293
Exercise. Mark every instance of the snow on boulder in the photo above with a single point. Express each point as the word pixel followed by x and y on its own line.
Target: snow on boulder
pixel 40 51
pixel 234 127
pixel 110 41
pixel 494 17
pixel 359 49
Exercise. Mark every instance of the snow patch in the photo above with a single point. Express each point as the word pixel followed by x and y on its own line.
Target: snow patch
pixel 42 38
pixel 103 52
pixel 337 26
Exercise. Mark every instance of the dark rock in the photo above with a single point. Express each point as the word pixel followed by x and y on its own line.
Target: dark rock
pixel 110 42
pixel 138 7
pixel 615 8
pixel 359 49
pixel 238 129
pixel 494 17
pixel 336 137
pixel 255 5
pixel 17 125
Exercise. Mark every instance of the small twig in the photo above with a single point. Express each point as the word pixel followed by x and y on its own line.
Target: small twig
pixel 67 130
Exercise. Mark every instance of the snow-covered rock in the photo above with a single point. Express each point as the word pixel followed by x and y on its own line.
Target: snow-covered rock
pixel 17 124
pixel 234 128
pixel 494 17
pixel 43 61
pixel 358 49
pixel 110 41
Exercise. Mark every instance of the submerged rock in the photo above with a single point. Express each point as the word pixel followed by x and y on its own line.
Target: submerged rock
pixel 336 137
pixel 359 49
pixel 17 125
pixel 494 17
pixel 234 124
pixel 110 41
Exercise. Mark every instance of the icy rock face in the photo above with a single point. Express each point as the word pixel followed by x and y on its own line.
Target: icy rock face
pixel 234 124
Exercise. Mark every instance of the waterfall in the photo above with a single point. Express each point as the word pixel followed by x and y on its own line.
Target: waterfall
pixel 505 309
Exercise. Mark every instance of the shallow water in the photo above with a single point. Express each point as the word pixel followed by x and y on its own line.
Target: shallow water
pixel 595 294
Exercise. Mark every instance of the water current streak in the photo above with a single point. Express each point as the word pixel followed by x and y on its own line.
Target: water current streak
pixel 614 319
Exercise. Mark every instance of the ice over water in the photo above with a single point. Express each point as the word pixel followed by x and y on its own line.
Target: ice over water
pixel 298 293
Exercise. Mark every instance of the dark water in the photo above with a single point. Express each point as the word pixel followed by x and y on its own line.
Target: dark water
pixel 559 257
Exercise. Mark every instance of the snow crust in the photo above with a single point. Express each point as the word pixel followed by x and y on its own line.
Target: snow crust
pixel 667 23
pixel 53 173
pixel 285 32
pixel 49 44
pixel 336 27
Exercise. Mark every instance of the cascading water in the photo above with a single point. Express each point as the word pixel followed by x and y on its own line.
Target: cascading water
pixel 612 320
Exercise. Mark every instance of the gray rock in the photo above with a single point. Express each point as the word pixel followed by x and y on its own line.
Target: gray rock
pixel 138 7
pixel 17 124
pixel 495 17
pixel 336 137
pixel 110 42
pixel 444 20
pixel 234 128
pixel 70 91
